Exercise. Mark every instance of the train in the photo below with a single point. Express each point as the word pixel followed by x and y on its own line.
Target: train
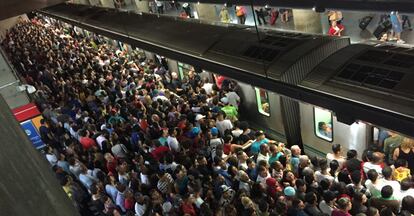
pixel 306 89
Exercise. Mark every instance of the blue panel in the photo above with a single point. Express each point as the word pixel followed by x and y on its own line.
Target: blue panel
pixel 32 133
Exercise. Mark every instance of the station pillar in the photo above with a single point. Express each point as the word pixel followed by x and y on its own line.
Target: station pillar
pixel 307 21
pixel 142 5
pixel 207 12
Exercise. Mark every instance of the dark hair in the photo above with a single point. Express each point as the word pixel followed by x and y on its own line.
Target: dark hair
pixel 299 183
pixel 386 212
pixel 311 198
pixel 405 184
pixel 263 205
pixel 400 163
pixel 334 165
pixel 358 197
pixel 372 211
pixel 336 148
pixel 372 175
pixel 386 191
pixel 343 203
pixel 323 163
pixel 328 196
pixel 387 172
pixel 356 177
pixel 321 124
pixel 351 154
pixel 42 121
pixel 407 203
pixel 343 176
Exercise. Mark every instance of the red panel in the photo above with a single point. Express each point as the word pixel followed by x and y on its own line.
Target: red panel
pixel 26 112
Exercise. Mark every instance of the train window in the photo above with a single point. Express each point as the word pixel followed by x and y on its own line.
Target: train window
pixel 262 99
pixel 183 69
pixel 323 124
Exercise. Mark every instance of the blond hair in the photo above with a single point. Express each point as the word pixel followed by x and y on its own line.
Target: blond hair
pixel 407 143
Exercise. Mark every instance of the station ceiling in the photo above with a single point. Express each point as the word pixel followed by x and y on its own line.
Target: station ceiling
pixel 10 8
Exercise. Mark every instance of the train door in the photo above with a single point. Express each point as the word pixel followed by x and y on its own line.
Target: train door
pixel 387 141
pixel 183 70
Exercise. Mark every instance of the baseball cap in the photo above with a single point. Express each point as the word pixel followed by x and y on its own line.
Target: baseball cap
pixel 289 191
pixel 195 131
pixel 214 131
pixel 225 188
pixel 199 116
pixel 225 100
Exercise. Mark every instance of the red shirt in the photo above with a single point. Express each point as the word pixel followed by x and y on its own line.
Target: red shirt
pixel 87 143
pixel 111 166
pixel 129 204
pixel 159 152
pixel 227 148
pixel 332 30
pixel 188 209
pixel 336 212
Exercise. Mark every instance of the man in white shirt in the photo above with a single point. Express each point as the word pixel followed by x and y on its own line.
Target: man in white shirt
pixel 374 183
pixel 172 140
pixel 263 154
pixel 140 206
pixel 223 124
pixel 233 98
pixel 387 173
pixel 207 86
pixel 374 162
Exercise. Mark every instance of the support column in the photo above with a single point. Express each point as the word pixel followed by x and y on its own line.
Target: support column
pixel 307 21
pixel 207 12
pixel 142 5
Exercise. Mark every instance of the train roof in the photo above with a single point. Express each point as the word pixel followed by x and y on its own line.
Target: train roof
pixel 378 74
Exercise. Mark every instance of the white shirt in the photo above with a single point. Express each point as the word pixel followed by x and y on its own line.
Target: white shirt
pixel 319 177
pixel 325 208
pixel 375 190
pixel 173 144
pixel 396 187
pixel 140 209
pixel 208 87
pixel 52 159
pixel 409 192
pixel 368 166
pixel 261 157
pixel 99 140
pixel 233 98
pixel 224 125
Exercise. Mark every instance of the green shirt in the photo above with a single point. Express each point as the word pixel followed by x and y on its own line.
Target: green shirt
pixel 230 111
pixel 390 144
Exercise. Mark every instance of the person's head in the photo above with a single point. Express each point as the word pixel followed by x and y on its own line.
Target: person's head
pixel 322 126
pixel 351 154
pixel 377 157
pixel 42 121
pixel 356 177
pixel 407 143
pixel 407 203
pixel 311 199
pixel 289 192
pixel 323 164
pixel 300 185
pixel 372 175
pixel 387 172
pixel 360 197
pixel 344 204
pixel 264 149
pixel 329 196
pixel 386 192
pixel 214 132
pixel 386 212
pixel 334 165
pixel 336 148
pixel 372 212
pixel 401 163
pixel 259 135
pixel 262 171
pixel 405 184
pixel 295 150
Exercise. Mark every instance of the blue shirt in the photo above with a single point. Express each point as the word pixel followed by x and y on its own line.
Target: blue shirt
pixel 255 147
pixel 294 162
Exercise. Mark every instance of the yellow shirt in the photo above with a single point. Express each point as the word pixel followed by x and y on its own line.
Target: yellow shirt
pixel 401 173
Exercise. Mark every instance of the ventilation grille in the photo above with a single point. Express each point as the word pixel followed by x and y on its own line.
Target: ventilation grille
pixel 271 46
pixel 367 75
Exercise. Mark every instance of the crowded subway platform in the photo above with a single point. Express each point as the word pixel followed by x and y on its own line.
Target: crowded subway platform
pixel 126 136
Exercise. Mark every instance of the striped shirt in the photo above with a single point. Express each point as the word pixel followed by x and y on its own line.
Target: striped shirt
pixel 164 183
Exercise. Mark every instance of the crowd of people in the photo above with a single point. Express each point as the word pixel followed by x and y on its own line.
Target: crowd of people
pixel 126 136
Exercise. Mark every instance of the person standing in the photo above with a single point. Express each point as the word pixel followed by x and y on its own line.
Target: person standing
pixel 241 14
pixel 224 15
pixel 396 26
pixel 260 14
